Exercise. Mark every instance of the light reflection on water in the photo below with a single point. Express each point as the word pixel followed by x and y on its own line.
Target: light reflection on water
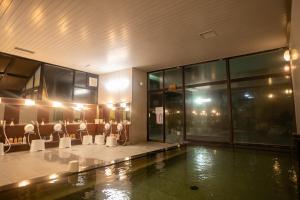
pixel 115 194
pixel 203 162
pixel 242 174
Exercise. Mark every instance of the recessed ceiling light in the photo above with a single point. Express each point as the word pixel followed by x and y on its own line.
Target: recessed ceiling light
pixel 24 50
pixel 208 34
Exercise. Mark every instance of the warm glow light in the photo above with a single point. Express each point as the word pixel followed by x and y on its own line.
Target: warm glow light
pixel 270 81
pixel 29 102
pixel 79 106
pixel 286 68
pixel 53 176
pixel 178 112
pixel 23 183
pixel 270 96
pixel 213 111
pixel 295 54
pixel 110 105
pixel 288 91
pixel 57 104
pixel 287 56
pixel 117 84
pixel 194 112
pixel 113 108
pixel 127 158
pixel 127 109
pixel 123 105
pixel 203 113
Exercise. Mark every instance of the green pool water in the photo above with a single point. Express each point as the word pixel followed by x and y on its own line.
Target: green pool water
pixel 186 173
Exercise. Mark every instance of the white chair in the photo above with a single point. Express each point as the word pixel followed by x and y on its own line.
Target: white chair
pixel 64 142
pixel 86 139
pixel 37 144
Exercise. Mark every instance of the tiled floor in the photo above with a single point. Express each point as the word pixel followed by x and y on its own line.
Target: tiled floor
pixel 19 166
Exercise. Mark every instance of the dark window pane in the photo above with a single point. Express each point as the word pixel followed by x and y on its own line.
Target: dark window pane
pixel 58 83
pixel 155 80
pixel 207 113
pixel 206 72
pixel 258 64
pixel 80 79
pixel 263 111
pixel 173 77
pixel 82 95
pixel 155 116
pixel 174 116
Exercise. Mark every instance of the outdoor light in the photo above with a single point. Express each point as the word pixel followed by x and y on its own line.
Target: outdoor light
pixel 270 96
pixel 57 104
pixel 201 100
pixel 286 68
pixel 29 102
pixel 288 91
pixel 287 55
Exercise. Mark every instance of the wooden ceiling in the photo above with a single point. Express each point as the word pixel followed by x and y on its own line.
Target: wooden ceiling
pixel 107 35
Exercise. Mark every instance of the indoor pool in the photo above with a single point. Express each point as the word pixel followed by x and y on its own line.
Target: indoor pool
pixel 187 173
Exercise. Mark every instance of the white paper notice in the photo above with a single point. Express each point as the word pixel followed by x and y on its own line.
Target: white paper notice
pixel 159 115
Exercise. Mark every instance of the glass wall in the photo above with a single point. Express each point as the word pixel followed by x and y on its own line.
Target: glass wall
pixel 166 106
pixel 246 99
pixel 156 116
pixel 69 85
pixel 262 101
pixel 206 101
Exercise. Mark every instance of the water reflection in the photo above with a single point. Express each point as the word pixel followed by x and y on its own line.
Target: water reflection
pixel 115 194
pixel 276 167
pixel 242 174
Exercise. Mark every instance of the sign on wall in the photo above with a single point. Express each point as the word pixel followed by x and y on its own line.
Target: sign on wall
pixel 159 115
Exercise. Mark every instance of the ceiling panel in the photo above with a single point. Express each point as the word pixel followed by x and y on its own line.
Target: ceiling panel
pixel 107 35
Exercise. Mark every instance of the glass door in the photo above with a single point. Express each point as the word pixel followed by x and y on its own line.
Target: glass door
pixel 155 116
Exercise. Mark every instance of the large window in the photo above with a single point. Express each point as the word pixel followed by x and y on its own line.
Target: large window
pixel 263 111
pixel 262 101
pixel 206 101
pixel 205 72
pixel 270 62
pixel 207 113
pixel 58 83
pixel 245 99
pixel 155 80
pixel 70 85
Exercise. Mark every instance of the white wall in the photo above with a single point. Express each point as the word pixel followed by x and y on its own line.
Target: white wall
pixel 109 95
pixel 295 48
pixel 135 93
